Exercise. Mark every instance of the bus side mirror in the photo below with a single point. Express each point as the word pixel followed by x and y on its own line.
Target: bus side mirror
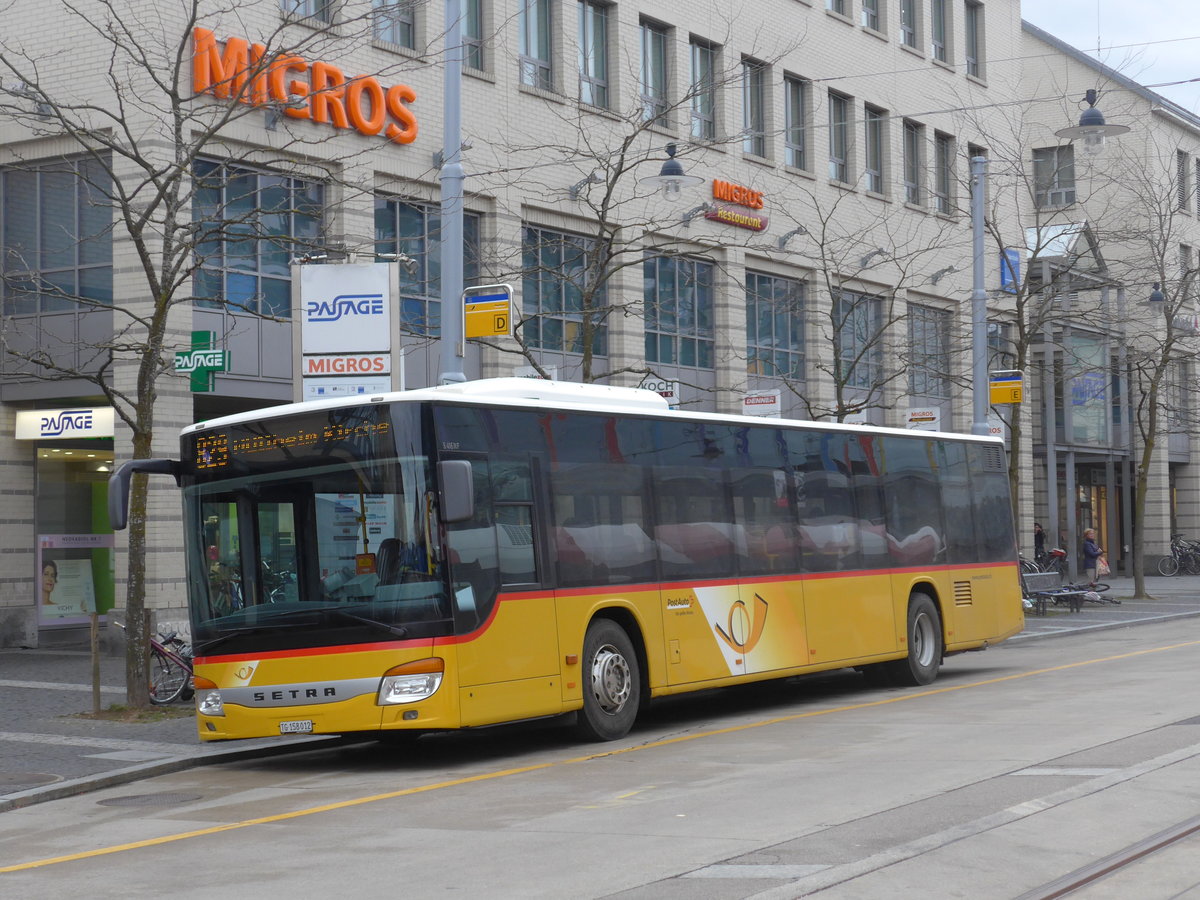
pixel 458 490
pixel 118 485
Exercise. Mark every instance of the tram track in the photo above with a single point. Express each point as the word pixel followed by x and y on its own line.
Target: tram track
pixel 1114 863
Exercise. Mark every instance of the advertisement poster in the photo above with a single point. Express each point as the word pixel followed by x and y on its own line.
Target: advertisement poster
pixel 66 568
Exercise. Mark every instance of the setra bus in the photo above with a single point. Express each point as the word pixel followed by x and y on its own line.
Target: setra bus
pixel 509 549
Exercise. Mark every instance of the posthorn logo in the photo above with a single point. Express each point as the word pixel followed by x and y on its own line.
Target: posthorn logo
pixel 66 421
pixel 344 305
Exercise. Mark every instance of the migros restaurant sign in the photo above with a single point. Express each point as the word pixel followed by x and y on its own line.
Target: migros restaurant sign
pixel 747 201
pixel 317 91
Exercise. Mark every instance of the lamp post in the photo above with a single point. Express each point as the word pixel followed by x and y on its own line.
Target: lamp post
pixel 979 355
pixel 452 178
pixel 1092 130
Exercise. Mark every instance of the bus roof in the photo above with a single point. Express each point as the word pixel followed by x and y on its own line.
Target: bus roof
pixel 542 394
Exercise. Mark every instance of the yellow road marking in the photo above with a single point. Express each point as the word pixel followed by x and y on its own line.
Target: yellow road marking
pixel 521 770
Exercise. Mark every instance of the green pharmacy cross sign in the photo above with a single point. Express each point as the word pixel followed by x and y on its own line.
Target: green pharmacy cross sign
pixel 202 362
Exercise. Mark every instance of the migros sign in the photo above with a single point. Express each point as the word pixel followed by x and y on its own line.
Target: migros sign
pixel 305 90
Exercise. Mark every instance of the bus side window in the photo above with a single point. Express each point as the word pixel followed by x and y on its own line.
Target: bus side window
pixel 512 499
pixel 913 493
pixel 763 515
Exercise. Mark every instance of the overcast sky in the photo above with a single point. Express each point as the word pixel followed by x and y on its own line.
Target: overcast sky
pixel 1151 43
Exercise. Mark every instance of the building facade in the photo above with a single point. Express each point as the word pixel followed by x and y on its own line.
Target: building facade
pixel 240 159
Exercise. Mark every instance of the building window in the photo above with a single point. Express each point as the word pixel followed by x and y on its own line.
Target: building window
pixel 472 34
pixel 251 225
pixel 533 21
pixel 943 172
pixel 593 54
pixel 914 137
pixel 870 15
pixel 561 299
pixel 973 32
pixel 55 237
pixel 795 122
pixel 858 340
pixel 1183 183
pixel 1054 176
pixel 774 326
pixel 652 76
pixel 836 6
pixel 939 29
pixel 1196 183
pixel 394 22
pixel 873 121
pixel 414 230
pixel 908 23
pixel 703 90
pixel 678 297
pixel 929 346
pixel 839 137
pixel 321 10
pixel 754 107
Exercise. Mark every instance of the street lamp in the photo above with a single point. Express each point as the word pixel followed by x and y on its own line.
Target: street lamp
pixel 1092 129
pixel 671 177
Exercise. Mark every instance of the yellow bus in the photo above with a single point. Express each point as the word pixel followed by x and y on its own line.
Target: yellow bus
pixel 510 549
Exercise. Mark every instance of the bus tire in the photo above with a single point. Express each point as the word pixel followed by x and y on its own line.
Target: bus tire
pixel 612 684
pixel 924 644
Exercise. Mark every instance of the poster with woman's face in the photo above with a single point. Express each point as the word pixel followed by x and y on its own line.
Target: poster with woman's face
pixel 66 588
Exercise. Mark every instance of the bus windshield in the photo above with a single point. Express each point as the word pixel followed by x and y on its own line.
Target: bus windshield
pixel 325 535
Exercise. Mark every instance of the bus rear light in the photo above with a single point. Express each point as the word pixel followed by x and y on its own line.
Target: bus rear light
pixel 411 682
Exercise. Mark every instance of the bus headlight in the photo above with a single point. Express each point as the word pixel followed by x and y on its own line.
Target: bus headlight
pixel 411 682
pixel 208 697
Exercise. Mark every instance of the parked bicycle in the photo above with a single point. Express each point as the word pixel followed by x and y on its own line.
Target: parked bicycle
pixel 1185 557
pixel 171 670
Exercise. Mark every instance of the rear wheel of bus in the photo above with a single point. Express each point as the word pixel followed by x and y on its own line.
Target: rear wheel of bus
pixel 612 683
pixel 924 644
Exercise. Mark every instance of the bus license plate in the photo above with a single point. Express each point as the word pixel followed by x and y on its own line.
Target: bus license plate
pixel 300 726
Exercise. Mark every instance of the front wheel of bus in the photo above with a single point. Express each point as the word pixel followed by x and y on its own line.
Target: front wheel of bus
pixel 924 644
pixel 612 684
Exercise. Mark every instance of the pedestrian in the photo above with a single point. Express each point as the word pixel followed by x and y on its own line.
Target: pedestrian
pixel 1091 555
pixel 1039 543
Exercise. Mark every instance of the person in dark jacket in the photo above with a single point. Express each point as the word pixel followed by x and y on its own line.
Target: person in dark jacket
pixel 1039 543
pixel 1091 555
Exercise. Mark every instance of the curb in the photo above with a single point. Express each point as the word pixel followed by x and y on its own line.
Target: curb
pixel 1100 626
pixel 116 777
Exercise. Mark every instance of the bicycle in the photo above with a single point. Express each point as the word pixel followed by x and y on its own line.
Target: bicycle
pixel 1185 555
pixel 171 670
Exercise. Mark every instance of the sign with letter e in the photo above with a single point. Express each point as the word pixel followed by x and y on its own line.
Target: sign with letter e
pixel 1005 386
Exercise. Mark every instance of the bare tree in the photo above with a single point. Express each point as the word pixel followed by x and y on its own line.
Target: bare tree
pixel 167 94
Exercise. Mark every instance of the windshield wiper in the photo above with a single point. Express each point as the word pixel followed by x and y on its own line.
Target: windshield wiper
pixel 203 647
pixel 397 630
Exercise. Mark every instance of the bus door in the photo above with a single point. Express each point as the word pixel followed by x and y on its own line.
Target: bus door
pixel 766 624
pixel 507 654
pixel 844 538
pixel 703 608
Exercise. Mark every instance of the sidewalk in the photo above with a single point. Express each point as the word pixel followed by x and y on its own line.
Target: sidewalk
pixel 47 750
pixel 1173 598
